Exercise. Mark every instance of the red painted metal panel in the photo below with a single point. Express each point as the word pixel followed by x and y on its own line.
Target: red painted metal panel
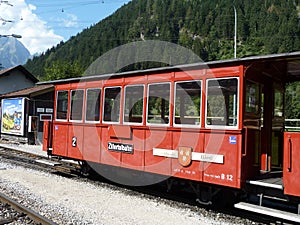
pixel 227 173
pixel 250 154
pixel 154 78
pixel 159 138
pixel 75 141
pixel 135 160
pixel 91 143
pixel 134 80
pixel 113 82
pixel 60 139
pixel 119 131
pixel 190 75
pixel 62 87
pixel 79 85
pixel 194 140
pixel 107 156
pixel 291 165
pixel 224 71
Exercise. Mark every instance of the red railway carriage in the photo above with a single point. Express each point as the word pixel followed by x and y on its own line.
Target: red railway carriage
pixel 220 123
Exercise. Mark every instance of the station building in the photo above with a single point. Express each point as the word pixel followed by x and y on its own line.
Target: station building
pixel 23 106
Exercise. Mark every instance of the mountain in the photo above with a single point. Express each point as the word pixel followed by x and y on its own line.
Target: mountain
pixel 206 27
pixel 12 52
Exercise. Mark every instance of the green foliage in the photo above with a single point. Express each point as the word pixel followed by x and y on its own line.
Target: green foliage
pixel 292 101
pixel 60 70
pixel 206 27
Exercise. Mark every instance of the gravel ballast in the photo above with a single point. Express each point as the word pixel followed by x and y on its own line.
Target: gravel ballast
pixel 69 201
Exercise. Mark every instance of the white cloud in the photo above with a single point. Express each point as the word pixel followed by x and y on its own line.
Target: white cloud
pixel 71 20
pixel 37 36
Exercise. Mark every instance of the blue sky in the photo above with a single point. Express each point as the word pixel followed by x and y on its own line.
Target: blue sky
pixel 44 23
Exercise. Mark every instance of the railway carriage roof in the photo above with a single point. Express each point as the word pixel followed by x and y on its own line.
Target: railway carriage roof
pixel 291 60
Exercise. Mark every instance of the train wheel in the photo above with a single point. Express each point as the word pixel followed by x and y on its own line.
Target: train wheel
pixel 225 198
pixel 85 169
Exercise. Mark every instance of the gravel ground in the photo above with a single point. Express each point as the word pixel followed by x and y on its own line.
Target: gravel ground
pixel 10 216
pixel 69 201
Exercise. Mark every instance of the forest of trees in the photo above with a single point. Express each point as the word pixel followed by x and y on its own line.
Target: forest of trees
pixel 206 27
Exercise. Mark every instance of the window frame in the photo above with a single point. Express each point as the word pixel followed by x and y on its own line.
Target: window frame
pixel 124 103
pixel 200 106
pixel 147 107
pixel 70 106
pixel 86 102
pixel 258 112
pixel 67 113
pixel 279 89
pixel 223 127
pixel 103 105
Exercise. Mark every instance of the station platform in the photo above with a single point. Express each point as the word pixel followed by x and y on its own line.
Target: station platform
pixel 33 149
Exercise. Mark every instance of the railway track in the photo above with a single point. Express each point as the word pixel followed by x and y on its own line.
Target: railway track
pixel 12 211
pixel 52 165
pixel 154 191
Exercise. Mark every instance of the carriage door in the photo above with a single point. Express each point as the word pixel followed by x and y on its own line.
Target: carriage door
pixel 291 166
pixel 263 124
pixel 272 127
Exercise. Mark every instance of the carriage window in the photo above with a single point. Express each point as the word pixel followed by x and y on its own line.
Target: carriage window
pixel 62 105
pixel 292 105
pixel 93 104
pixel 278 102
pixel 112 104
pixel 76 104
pixel 221 102
pixel 252 97
pixel 158 103
pixel 187 102
pixel 134 104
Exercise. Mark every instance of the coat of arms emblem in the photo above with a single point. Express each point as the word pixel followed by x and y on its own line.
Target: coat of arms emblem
pixel 185 156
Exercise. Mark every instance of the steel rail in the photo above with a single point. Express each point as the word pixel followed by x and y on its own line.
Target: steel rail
pixel 23 209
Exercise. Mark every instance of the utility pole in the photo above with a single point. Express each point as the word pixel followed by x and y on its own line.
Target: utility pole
pixel 235 30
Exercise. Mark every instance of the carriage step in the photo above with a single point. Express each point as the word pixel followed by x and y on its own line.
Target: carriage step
pixel 268 211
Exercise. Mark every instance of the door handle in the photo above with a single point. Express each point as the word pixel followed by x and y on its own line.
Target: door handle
pixel 244 152
pixel 289 168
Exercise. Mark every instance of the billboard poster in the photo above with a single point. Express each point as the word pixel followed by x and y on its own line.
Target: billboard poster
pixel 12 121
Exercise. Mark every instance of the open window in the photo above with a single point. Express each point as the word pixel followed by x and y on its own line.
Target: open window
pixel 292 105
pixel 158 109
pixel 253 92
pixel 61 105
pixel 111 111
pixel 76 105
pixel 187 103
pixel 92 112
pixel 222 102
pixel 134 104
pixel 278 110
